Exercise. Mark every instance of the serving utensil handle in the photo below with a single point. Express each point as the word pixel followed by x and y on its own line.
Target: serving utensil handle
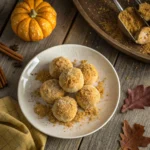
pixel 118 5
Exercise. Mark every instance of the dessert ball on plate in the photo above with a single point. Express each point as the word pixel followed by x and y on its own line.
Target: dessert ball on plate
pixel 89 72
pixel 65 109
pixel 87 97
pixel 51 90
pixel 71 80
pixel 58 65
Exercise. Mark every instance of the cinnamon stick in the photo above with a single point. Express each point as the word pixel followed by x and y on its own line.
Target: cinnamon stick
pixel 3 80
pixel 10 52
pixel 1 85
pixel 3 76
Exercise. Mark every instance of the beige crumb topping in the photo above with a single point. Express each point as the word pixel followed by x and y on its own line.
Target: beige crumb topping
pixel 100 88
pixel 66 108
pixel 41 110
pixel 70 77
pixel 81 115
pixel 131 20
pixel 144 10
pixel 83 62
pixel 92 112
pixel 89 72
pixel 51 90
pixel 87 97
pixel 42 76
pixel 36 93
pixel 74 63
pixel 58 65
pixel 61 62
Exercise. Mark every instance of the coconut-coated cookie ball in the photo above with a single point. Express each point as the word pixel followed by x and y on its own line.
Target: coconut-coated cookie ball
pixel 89 72
pixel 71 80
pixel 65 109
pixel 87 97
pixel 58 65
pixel 51 90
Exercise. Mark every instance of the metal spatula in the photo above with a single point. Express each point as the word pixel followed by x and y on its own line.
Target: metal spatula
pixel 122 26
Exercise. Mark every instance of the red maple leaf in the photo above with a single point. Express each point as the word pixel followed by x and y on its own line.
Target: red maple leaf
pixel 138 98
pixel 133 137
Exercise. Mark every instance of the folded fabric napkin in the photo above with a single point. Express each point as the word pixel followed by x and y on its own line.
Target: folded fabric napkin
pixel 15 131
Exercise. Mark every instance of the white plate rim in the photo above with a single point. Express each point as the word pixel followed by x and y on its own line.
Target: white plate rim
pixel 68 45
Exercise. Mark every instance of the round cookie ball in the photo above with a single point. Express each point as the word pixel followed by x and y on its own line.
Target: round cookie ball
pixel 87 97
pixel 51 90
pixel 89 72
pixel 65 109
pixel 58 65
pixel 71 80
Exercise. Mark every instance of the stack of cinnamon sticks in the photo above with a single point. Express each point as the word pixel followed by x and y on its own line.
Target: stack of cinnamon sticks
pixel 6 50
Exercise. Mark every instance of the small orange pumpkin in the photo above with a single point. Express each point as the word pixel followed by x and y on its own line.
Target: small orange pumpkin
pixel 33 20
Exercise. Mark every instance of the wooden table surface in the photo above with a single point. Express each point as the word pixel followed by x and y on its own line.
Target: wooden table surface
pixel 72 29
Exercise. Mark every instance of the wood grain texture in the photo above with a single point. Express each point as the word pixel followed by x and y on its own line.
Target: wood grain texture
pixel 131 73
pixel 90 10
pixel 6 7
pixel 66 13
pixel 58 144
pixel 82 33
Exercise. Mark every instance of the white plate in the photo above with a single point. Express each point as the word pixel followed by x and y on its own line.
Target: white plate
pixel 107 105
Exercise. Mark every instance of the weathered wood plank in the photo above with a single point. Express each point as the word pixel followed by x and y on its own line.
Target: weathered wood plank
pixel 58 144
pixel 6 7
pixel 82 33
pixel 131 73
pixel 66 13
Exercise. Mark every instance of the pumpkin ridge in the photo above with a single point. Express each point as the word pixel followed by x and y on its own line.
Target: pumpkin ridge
pixel 27 27
pixel 40 26
pixel 45 19
pixel 29 30
pixel 14 23
pixel 45 3
pixel 24 7
pixel 17 6
pixel 36 6
pixel 47 11
pixel 19 24
pixel 20 13
pixel 29 4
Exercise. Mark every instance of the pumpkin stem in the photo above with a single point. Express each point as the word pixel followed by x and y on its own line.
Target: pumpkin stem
pixel 33 13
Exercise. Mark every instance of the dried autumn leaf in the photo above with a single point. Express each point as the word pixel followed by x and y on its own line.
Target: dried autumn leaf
pixel 133 137
pixel 137 98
